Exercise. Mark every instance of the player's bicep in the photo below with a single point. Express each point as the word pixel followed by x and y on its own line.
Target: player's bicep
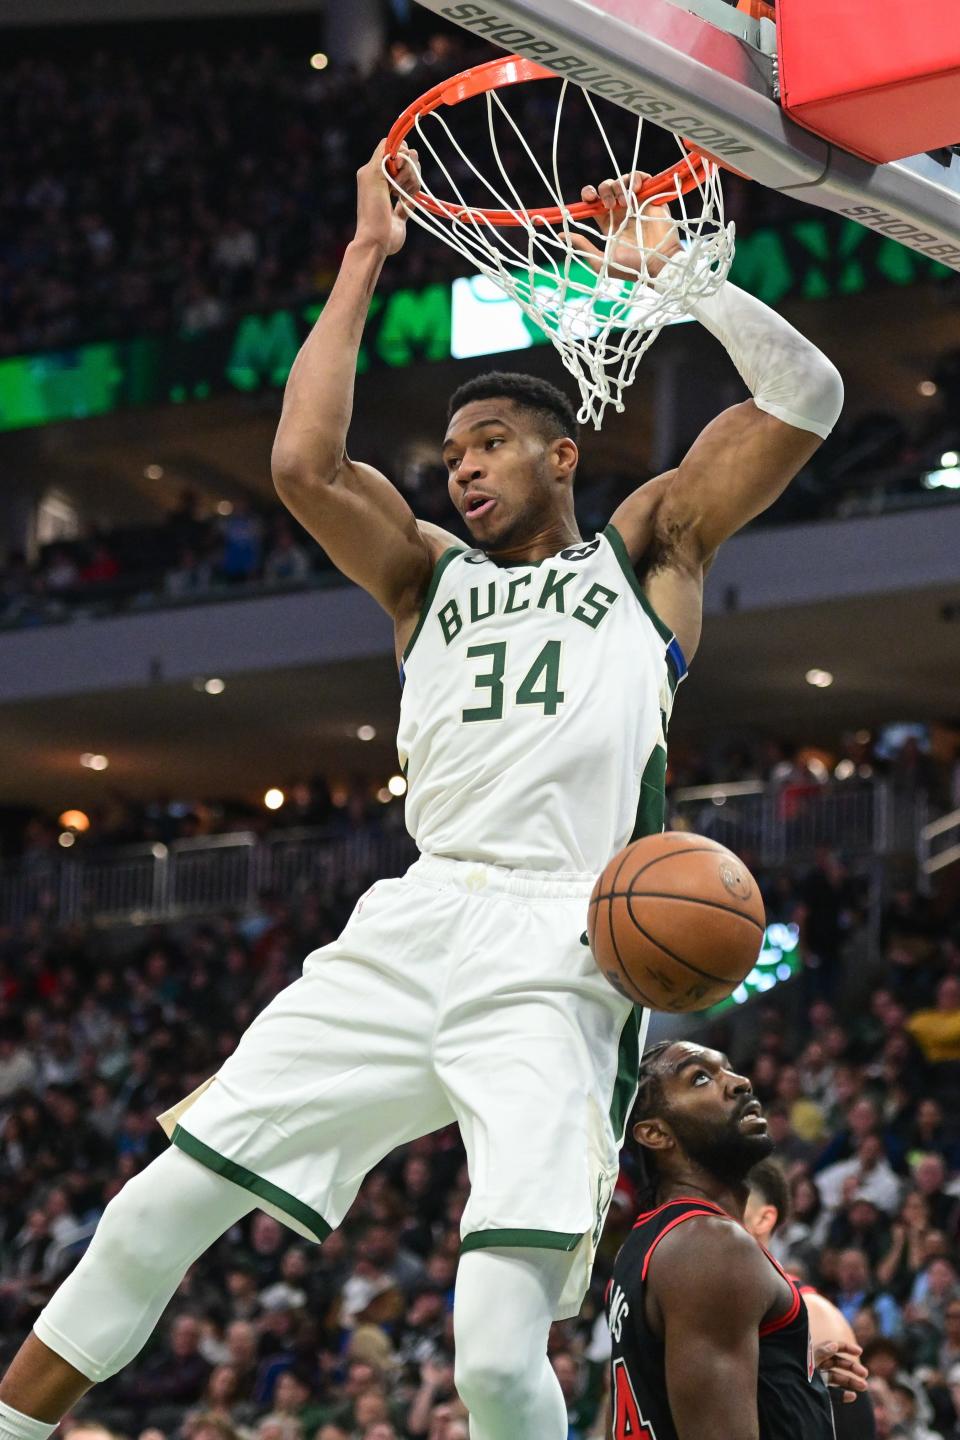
pixel 711 1284
pixel 712 1372
pixel 367 529
pixel 737 467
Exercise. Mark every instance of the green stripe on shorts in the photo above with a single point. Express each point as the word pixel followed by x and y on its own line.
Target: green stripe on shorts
pixel 515 1239
pixel 247 1180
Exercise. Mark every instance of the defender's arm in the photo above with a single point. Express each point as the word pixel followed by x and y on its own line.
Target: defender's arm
pixel 711 1286
pixel 360 519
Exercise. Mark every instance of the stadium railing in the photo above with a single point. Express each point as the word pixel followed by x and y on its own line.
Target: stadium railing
pixel 778 824
pixel 938 843
pixel 770 825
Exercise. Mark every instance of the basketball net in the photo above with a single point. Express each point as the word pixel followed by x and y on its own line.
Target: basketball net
pixel 602 316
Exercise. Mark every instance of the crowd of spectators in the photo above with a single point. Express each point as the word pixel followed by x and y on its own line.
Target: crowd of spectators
pixel 272 1339
pixel 339 808
pixel 192 555
pixel 144 191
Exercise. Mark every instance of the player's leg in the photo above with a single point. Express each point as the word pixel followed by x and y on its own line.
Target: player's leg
pixel 504 1307
pixel 333 1074
pixel 527 1048
pixel 107 1308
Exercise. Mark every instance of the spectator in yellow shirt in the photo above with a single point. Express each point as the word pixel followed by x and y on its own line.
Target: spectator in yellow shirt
pixel 937 1031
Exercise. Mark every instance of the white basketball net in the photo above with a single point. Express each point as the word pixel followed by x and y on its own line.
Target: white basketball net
pixel 601 323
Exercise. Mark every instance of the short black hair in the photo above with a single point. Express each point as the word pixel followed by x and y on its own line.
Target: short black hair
pixel 769 1181
pixel 554 411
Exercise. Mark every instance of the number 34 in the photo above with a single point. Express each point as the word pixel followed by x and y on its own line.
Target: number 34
pixel 540 685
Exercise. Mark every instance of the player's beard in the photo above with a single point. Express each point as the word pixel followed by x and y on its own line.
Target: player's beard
pixel 518 529
pixel 724 1151
pixel 512 532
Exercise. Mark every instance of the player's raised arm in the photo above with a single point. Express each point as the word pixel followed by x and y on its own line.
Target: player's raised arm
pixel 711 1283
pixel 360 519
pixel 745 458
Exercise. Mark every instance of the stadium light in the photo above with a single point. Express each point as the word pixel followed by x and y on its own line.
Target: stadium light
pixel 319 61
pixel 819 678
pixel 927 388
pixel 94 762
pixel 214 686
pixel 366 732
pixel 397 785
pixel 274 798
pixel 74 820
pixel 947 478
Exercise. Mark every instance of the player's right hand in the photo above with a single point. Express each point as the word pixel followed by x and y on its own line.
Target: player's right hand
pixel 380 218
pixel 655 229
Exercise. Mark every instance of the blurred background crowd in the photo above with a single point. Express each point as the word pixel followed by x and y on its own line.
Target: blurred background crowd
pixel 168 189
pixel 272 1338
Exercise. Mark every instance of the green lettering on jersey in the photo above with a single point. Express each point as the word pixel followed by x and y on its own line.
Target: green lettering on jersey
pixel 512 589
pixel 491 680
pixel 541 684
pixel 553 590
pixel 595 605
pixel 475 613
pixel 451 621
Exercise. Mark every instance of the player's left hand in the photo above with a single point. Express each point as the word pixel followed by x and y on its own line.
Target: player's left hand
pixel 841 1368
pixel 658 231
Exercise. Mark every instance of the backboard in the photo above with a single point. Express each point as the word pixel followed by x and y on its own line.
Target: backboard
pixel 708 72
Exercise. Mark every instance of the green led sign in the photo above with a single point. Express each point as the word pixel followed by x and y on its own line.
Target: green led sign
pixel 779 960
pixel 816 258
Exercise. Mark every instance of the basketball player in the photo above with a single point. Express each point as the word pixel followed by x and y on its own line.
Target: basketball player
pixel 539 672
pixel 710 1337
pixel 766 1210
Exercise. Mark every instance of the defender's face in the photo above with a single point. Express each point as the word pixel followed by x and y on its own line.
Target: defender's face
pixel 713 1113
pixel 701 1082
pixel 498 471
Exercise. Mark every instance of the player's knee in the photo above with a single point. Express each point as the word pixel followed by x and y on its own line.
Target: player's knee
pixel 138 1229
pixel 494 1379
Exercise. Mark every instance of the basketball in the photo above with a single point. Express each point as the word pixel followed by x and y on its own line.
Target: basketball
pixel 675 922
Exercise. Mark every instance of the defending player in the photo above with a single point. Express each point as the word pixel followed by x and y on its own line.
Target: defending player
pixel 710 1337
pixel 766 1210
pixel 539 673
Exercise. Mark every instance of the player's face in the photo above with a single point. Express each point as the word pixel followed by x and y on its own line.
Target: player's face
pixel 713 1113
pixel 500 473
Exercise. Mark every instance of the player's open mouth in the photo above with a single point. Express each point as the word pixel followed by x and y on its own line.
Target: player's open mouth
pixel 478 505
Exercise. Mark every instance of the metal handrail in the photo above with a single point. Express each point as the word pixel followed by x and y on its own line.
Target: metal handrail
pixel 928 861
pixel 769 825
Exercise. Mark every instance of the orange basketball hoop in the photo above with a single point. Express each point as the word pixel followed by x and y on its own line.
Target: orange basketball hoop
pixel 592 280
pixel 688 172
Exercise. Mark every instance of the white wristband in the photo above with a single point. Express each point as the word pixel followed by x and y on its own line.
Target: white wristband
pixel 786 374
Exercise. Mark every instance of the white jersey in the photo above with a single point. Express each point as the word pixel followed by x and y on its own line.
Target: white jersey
pixel 535 704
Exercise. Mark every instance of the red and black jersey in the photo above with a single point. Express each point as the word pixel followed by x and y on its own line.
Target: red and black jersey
pixel 792 1400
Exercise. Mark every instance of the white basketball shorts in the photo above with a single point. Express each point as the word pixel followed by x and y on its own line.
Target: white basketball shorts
pixel 459 992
